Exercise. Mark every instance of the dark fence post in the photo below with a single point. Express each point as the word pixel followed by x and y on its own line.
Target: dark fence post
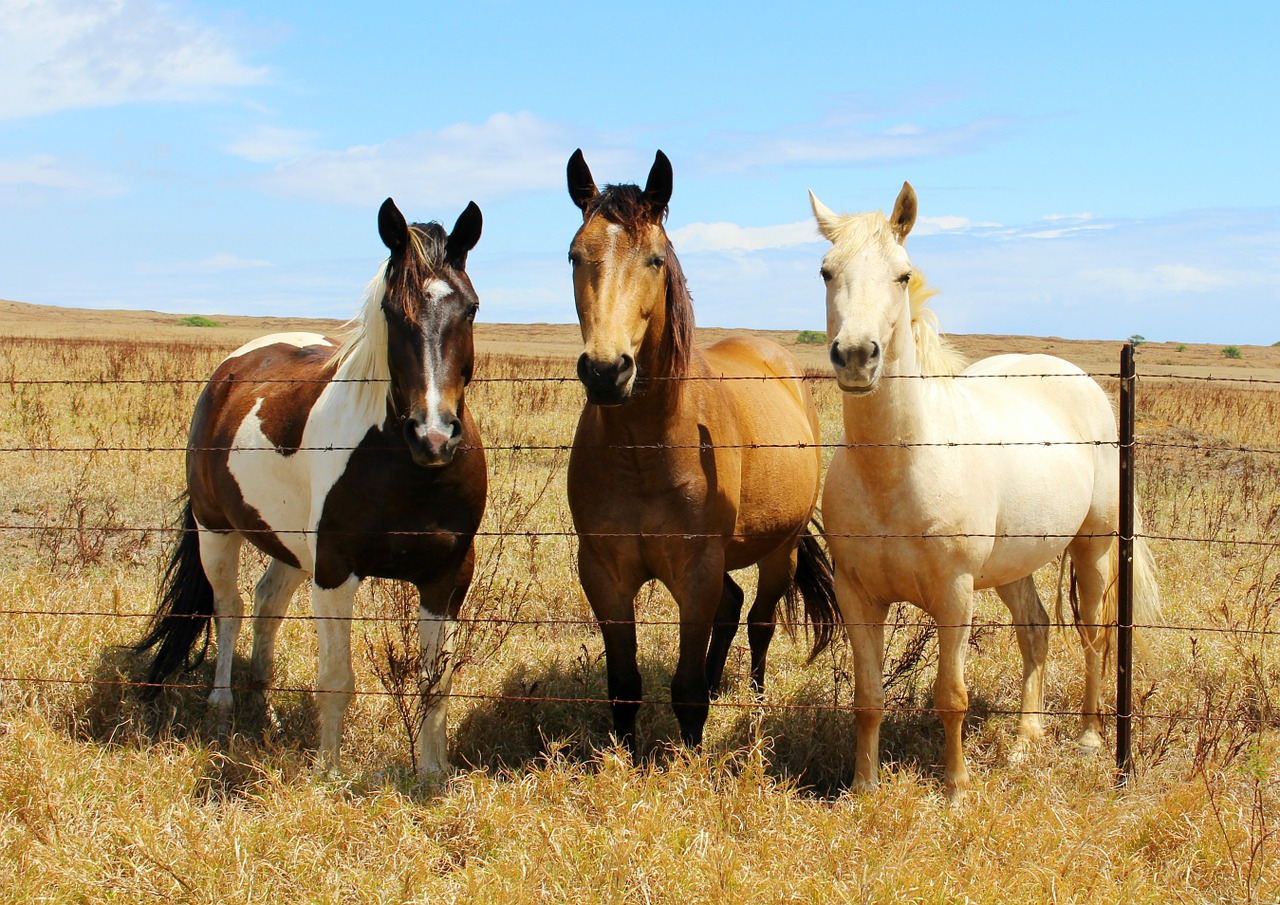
pixel 1124 581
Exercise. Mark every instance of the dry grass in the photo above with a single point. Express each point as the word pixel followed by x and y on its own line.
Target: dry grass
pixel 102 799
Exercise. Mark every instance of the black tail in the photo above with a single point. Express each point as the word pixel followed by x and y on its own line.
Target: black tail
pixel 816 585
pixel 185 611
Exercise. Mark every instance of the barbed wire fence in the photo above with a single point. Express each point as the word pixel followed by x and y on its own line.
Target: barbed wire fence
pixel 1259 716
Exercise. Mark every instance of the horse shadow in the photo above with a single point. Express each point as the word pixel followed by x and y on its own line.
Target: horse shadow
pixel 559 710
pixel 114 712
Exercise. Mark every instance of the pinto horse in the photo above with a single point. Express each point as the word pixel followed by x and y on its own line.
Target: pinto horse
pixel 953 480
pixel 339 462
pixel 688 462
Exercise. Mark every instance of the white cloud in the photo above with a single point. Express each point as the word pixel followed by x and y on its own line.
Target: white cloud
pixel 68 54
pixel 224 261
pixel 507 154
pixel 932 226
pixel 1160 279
pixel 700 237
pixel 46 172
pixel 270 144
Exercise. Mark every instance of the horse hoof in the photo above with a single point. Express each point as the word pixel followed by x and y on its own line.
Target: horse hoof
pixel 1089 744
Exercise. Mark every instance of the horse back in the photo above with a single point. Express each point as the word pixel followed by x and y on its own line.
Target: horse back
pixel 266 388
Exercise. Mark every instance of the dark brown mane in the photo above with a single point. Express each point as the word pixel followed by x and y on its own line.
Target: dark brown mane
pixel 625 206
pixel 424 258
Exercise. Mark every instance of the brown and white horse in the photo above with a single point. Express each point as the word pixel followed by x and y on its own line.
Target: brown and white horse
pixel 339 462
pixel 676 473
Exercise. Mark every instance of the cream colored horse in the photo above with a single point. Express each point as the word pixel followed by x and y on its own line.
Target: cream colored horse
pixel 912 517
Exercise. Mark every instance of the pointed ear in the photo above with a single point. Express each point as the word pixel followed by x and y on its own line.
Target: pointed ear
pixel 465 235
pixel 904 212
pixel 582 187
pixel 657 189
pixel 826 217
pixel 392 227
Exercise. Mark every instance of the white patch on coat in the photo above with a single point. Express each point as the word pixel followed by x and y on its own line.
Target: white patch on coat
pixel 297 340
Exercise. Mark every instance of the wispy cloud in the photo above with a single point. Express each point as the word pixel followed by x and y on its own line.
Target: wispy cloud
pixel 730 237
pixel 220 263
pixel 271 144
pixel 505 155
pixel 840 141
pixel 68 54
pixel 45 172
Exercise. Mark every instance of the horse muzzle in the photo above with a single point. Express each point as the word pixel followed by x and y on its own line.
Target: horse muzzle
pixel 433 445
pixel 857 366
pixel 608 383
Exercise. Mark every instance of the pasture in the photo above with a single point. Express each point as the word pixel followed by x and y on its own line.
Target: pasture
pixel 104 799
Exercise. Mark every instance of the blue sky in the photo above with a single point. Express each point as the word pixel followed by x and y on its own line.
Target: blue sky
pixel 1084 171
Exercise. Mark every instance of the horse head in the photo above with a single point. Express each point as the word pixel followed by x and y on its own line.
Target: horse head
pixel 868 277
pixel 429 306
pixel 630 293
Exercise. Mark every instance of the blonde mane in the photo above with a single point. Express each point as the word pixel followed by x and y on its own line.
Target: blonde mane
pixel 935 356
pixel 362 359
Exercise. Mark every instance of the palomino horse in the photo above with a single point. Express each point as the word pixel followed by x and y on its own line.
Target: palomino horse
pixel 678 474
pixel 339 462
pixel 948 484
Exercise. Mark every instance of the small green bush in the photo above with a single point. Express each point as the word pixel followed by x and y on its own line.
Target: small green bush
pixel 1181 347
pixel 811 337
pixel 1231 352
pixel 198 320
pixel 1137 339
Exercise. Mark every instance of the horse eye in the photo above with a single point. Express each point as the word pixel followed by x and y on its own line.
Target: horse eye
pixel 826 275
pixel 905 278
pixel 657 261
pixel 574 258
pixel 471 310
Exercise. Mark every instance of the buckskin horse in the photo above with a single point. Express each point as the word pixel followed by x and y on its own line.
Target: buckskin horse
pixel 341 462
pixel 688 462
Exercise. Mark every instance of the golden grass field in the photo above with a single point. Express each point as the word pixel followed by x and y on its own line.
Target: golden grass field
pixel 103 799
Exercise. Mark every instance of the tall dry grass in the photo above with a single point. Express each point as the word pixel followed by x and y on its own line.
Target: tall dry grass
pixel 103 799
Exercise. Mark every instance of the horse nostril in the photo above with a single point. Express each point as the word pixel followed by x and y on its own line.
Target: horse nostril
pixel 584 365
pixel 837 358
pixel 627 365
pixel 455 427
pixel 875 351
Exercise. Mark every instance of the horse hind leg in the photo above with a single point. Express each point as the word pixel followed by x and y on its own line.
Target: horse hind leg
pixel 1089 564
pixel 723 632
pixel 776 574
pixel 1031 624
pixel 220 557
pixel 271 597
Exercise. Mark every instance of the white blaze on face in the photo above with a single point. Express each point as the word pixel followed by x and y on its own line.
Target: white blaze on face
pixel 432 353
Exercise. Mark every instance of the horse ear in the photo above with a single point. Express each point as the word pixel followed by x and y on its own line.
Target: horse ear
pixel 582 186
pixel 826 217
pixel 904 212
pixel 465 235
pixel 657 190
pixel 392 227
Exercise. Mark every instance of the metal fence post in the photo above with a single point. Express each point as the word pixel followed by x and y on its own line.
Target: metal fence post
pixel 1124 581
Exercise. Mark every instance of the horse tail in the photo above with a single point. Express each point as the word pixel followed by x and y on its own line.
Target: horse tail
pixel 815 584
pixel 185 611
pixel 1146 594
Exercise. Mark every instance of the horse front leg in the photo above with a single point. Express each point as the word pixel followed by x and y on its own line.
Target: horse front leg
pixel 864 624
pixel 335 680
pixel 954 616
pixel 611 581
pixel 271 598
pixel 697 592
pixel 726 626
pixel 440 602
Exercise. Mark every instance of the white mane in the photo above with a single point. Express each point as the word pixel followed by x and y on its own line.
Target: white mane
pixel 363 356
